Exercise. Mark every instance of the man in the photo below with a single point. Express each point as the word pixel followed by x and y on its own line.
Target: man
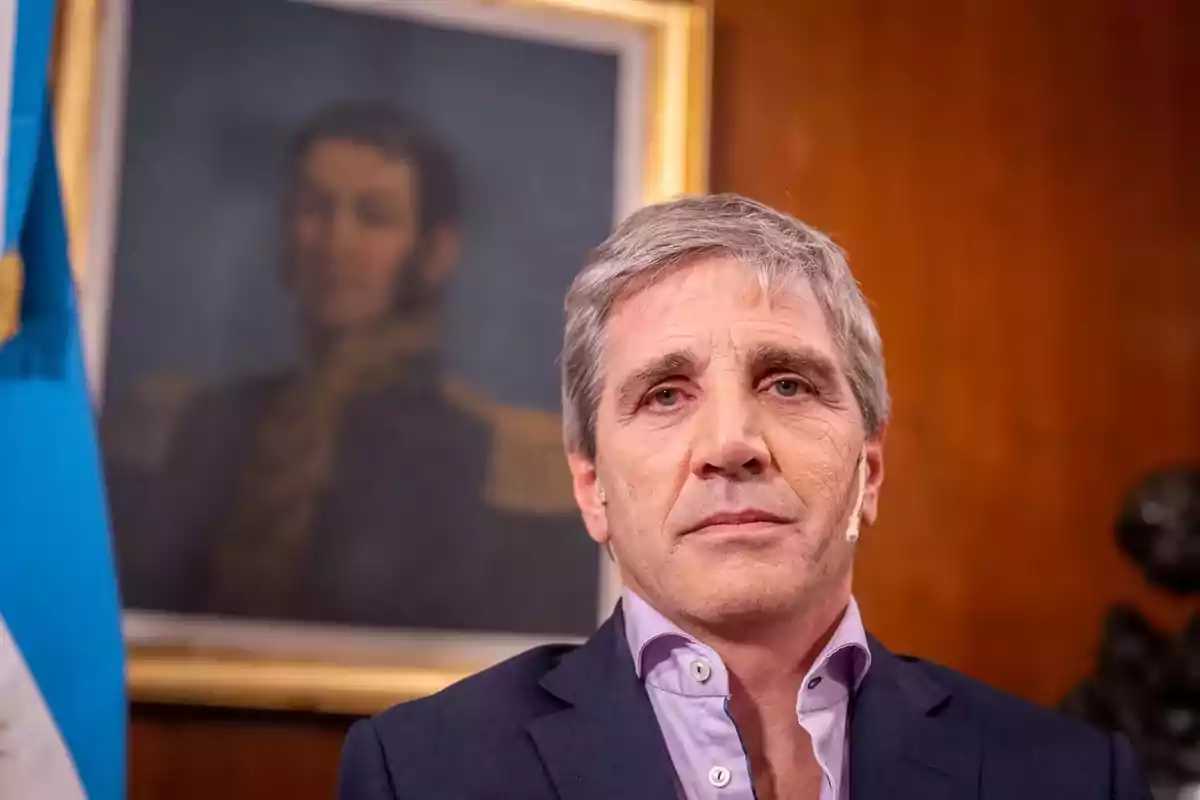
pixel 725 409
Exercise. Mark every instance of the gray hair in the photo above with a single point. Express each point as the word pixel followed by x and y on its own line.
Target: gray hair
pixel 657 240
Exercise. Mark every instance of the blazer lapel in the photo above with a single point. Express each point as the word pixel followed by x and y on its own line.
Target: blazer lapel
pixel 901 745
pixel 606 743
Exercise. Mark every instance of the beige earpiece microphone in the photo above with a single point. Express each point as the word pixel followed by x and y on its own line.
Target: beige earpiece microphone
pixel 600 496
pixel 855 521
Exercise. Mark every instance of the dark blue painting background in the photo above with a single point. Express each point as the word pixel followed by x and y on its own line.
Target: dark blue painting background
pixel 214 91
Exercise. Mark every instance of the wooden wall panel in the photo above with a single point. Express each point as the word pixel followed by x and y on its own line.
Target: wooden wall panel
pixel 180 753
pixel 1018 185
pixel 1016 182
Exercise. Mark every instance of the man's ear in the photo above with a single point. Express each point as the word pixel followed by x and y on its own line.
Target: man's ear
pixel 873 452
pixel 589 496
pixel 439 254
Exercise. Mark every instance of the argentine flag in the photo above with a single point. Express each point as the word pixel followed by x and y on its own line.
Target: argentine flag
pixel 62 705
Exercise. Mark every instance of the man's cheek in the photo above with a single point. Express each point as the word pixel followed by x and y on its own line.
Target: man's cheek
pixel 637 455
pixel 810 470
pixel 653 478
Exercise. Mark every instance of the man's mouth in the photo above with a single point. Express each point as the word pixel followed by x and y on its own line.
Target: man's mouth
pixel 733 519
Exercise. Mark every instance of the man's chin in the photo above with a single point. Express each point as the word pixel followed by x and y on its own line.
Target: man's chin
pixel 740 601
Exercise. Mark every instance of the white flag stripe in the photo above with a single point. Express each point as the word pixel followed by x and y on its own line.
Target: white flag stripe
pixel 34 762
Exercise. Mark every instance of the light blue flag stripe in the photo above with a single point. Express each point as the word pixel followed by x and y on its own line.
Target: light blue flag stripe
pixel 58 593
pixel 35 27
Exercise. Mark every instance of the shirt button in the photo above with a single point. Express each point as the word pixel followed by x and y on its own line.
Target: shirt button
pixel 701 671
pixel 719 777
pixel 814 683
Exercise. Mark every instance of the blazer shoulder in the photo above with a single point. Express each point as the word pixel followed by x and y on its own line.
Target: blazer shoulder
pixel 1006 716
pixel 461 742
pixel 1025 750
pixel 1062 751
pixel 475 721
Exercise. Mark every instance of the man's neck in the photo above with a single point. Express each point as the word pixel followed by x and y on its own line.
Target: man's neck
pixel 767 664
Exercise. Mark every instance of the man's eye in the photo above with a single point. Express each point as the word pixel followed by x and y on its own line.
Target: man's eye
pixel 665 397
pixel 787 387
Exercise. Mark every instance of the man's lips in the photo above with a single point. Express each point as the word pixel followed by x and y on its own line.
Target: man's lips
pixel 738 517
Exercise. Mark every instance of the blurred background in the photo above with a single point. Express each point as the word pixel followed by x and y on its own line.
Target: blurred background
pixel 1017 183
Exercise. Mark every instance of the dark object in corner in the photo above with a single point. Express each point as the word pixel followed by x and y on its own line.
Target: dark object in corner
pixel 1147 683
pixel 1159 529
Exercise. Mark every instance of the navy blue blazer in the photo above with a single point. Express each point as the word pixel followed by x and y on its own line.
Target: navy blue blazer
pixel 575 724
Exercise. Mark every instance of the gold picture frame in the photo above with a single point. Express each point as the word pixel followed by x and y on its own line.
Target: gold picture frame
pixel 676 37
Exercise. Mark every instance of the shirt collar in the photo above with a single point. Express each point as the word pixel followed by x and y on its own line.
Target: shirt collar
pixel 644 625
pixel 847 653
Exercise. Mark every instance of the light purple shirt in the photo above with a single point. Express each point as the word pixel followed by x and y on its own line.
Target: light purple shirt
pixel 688 687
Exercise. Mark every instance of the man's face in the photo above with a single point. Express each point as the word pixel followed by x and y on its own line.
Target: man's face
pixel 727 445
pixel 354 227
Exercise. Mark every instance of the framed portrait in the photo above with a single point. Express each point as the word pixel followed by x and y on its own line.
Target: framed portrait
pixel 327 244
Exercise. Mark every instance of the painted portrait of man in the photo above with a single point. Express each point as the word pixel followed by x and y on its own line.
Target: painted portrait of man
pixel 329 392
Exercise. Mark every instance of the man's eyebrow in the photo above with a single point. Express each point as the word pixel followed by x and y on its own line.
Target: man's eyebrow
pixel 656 370
pixel 805 361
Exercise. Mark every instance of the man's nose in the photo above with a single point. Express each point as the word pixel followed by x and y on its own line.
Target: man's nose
pixel 730 441
pixel 341 237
